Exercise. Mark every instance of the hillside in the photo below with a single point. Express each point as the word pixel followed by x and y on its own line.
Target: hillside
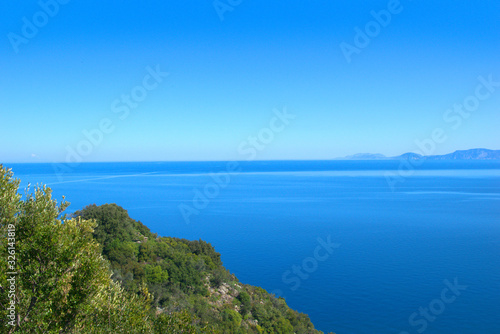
pixel 187 275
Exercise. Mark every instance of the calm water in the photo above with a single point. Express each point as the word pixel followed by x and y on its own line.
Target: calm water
pixel 392 249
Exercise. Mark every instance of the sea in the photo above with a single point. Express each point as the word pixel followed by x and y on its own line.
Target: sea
pixel 360 246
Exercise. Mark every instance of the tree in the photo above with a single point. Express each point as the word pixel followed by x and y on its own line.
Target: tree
pixel 231 319
pixel 62 283
pixel 9 205
pixel 246 301
pixel 115 226
pixel 179 322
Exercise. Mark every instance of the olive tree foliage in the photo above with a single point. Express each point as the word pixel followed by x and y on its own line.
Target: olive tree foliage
pixel 114 310
pixel 62 283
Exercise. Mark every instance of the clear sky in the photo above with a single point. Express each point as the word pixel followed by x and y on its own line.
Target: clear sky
pixel 353 78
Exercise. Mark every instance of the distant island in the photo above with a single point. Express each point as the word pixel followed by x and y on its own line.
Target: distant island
pixel 472 154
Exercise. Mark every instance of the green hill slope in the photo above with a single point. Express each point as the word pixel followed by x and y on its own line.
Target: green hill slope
pixel 185 275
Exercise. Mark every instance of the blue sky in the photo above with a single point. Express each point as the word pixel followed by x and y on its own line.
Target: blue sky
pixel 228 77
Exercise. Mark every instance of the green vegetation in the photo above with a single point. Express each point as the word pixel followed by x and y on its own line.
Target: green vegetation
pixel 100 271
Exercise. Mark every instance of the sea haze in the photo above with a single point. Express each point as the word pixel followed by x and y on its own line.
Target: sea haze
pixel 394 249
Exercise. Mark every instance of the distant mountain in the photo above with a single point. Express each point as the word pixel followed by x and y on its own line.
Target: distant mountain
pixel 472 154
pixel 365 156
pixel 409 156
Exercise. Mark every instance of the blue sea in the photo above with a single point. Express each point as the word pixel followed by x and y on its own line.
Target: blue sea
pixel 360 246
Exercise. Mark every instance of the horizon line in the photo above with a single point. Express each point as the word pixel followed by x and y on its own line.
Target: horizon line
pixel 231 160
